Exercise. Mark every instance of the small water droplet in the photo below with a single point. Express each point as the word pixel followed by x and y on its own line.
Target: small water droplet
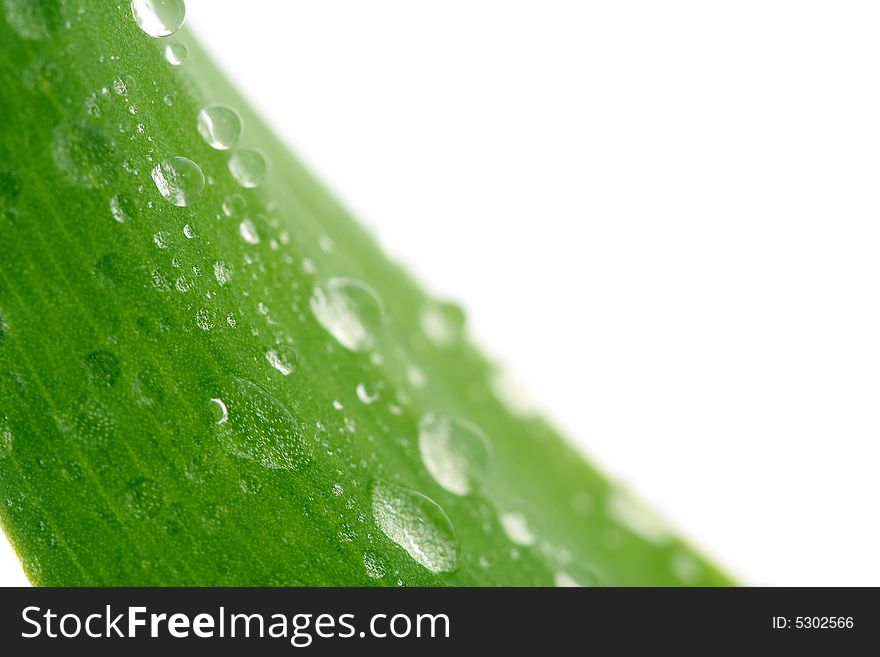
pixel 221 413
pixel 183 284
pixel 160 239
pixel 6 439
pixel 365 396
pixel 203 320
pixel 87 420
pixel 33 19
pixel 223 272
pixel 234 205
pixel 148 387
pixel 84 153
pixel 248 168
pixel 373 566
pixel 4 330
pixel 159 18
pixel 176 53
pixel 456 452
pixel 283 358
pixel 415 376
pixel 417 524
pixel 102 368
pixel 350 311
pixel 248 231
pixel 122 208
pixel 143 497
pixel 636 517
pixel 230 319
pixel 443 323
pixel 517 528
pixel 220 127
pixel 179 180
pixel 259 427
pixel 188 232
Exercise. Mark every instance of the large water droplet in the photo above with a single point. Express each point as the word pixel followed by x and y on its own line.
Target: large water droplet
pixel 179 180
pixel 418 525
pixel 33 19
pixel 159 18
pixel 220 126
pixel 176 53
pixel 248 168
pixel 6 439
pixel 248 231
pixel 456 452
pixel 254 425
pixel 350 311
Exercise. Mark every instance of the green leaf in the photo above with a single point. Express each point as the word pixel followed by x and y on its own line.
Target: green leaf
pixel 225 382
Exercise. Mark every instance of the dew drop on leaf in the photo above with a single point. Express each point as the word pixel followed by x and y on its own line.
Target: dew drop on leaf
pixel 179 180
pixel 6 439
pixel 222 272
pixel 443 323
pixel 159 18
pixel 417 524
pixel 373 566
pixel 84 154
pixel 283 358
pixel 258 427
pixel 160 239
pixel 455 451
pixel 143 498
pixel 248 168
pixel 122 208
pixel 365 395
pixel 517 528
pixel 248 231
pixel 88 421
pixel 33 19
pixel 234 205
pixel 102 368
pixel 176 53
pixel 349 310
pixel 220 127
pixel 203 320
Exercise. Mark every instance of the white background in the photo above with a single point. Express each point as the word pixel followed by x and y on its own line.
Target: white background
pixel 664 217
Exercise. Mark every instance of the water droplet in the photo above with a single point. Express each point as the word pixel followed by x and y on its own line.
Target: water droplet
pixel 373 565
pixel 365 396
pixel 188 232
pixel 4 330
pixel 350 311
pixel 159 18
pixel 283 358
pixel 33 19
pixel 223 272
pixel 415 376
pixel 148 387
pixel 456 452
pixel 636 517
pixel 203 320
pixel 102 368
pixel 176 53
pixel 221 413
pixel 160 239
pixel 517 528
pixel 179 180
pixel 584 577
pixel 183 284
pixel 88 421
pixel 248 168
pixel 84 154
pixel 685 568
pixel 258 427
pixel 443 323
pixel 248 231
pixel 6 439
pixel 417 524
pixel 143 497
pixel 122 208
pixel 220 127
pixel 234 205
